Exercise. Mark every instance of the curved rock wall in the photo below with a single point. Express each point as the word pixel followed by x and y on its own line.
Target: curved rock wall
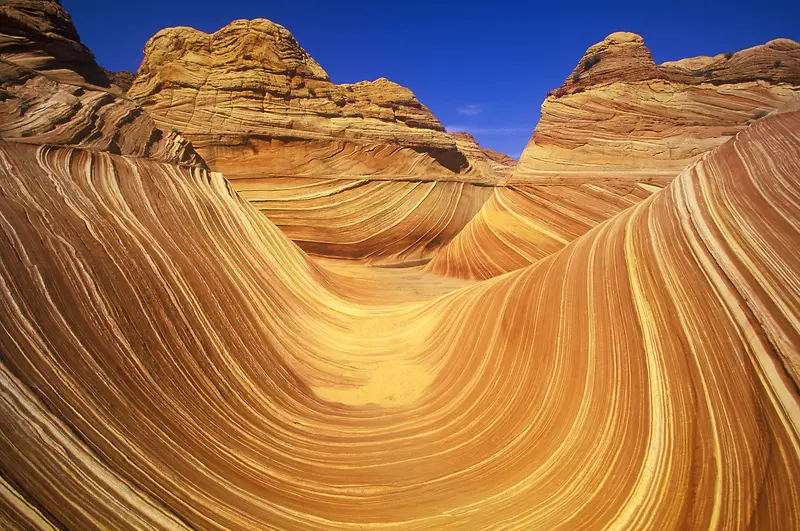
pixel 170 359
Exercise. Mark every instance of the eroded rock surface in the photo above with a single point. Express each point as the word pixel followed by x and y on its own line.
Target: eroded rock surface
pixel 354 171
pixel 621 116
pixel 170 359
pixel 53 92
pixel 620 128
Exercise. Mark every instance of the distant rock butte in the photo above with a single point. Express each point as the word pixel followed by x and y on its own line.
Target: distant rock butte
pixel 621 116
pixel 501 164
pixel 618 129
pixel 257 107
pixel 250 87
pixel 123 79
pixel 53 92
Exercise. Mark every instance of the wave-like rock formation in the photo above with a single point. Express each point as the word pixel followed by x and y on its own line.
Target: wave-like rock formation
pixel 383 221
pixel 53 92
pixel 170 359
pixel 519 225
pixel 618 129
pixel 319 159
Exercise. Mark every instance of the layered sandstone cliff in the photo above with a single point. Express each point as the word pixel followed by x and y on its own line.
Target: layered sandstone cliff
pixel 621 116
pixel 39 35
pixel 620 128
pixel 360 170
pixel 52 91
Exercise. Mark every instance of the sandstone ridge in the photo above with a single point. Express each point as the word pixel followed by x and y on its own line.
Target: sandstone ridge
pixel 361 171
pixel 252 80
pixel 623 56
pixel 620 128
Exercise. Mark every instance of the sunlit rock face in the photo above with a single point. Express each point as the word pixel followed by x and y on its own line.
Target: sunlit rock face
pixel 170 359
pixel 53 92
pixel 501 164
pixel 360 171
pixel 619 115
pixel 620 128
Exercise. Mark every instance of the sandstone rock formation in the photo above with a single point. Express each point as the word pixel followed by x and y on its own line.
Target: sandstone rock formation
pixel 624 117
pixel 123 79
pixel 39 35
pixel 620 128
pixel 52 91
pixel 519 225
pixel 170 359
pixel 501 164
pixel 360 170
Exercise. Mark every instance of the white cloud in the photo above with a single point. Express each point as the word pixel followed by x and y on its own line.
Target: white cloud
pixel 489 130
pixel 473 109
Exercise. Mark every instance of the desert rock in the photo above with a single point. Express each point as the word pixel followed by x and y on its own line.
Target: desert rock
pixel 360 171
pixel 199 370
pixel 501 164
pixel 170 359
pixel 620 128
pixel 53 92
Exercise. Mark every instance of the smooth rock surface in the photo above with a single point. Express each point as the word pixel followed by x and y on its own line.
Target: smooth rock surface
pixel 170 359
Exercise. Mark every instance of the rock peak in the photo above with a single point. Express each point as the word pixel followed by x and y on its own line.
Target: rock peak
pixel 783 43
pixel 621 37
pixel 622 56
pixel 261 46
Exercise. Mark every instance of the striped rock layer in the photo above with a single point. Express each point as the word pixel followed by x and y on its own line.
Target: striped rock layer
pixel 501 164
pixel 618 129
pixel 53 92
pixel 169 359
pixel 361 171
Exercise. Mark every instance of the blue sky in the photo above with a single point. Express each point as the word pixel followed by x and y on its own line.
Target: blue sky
pixel 483 67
